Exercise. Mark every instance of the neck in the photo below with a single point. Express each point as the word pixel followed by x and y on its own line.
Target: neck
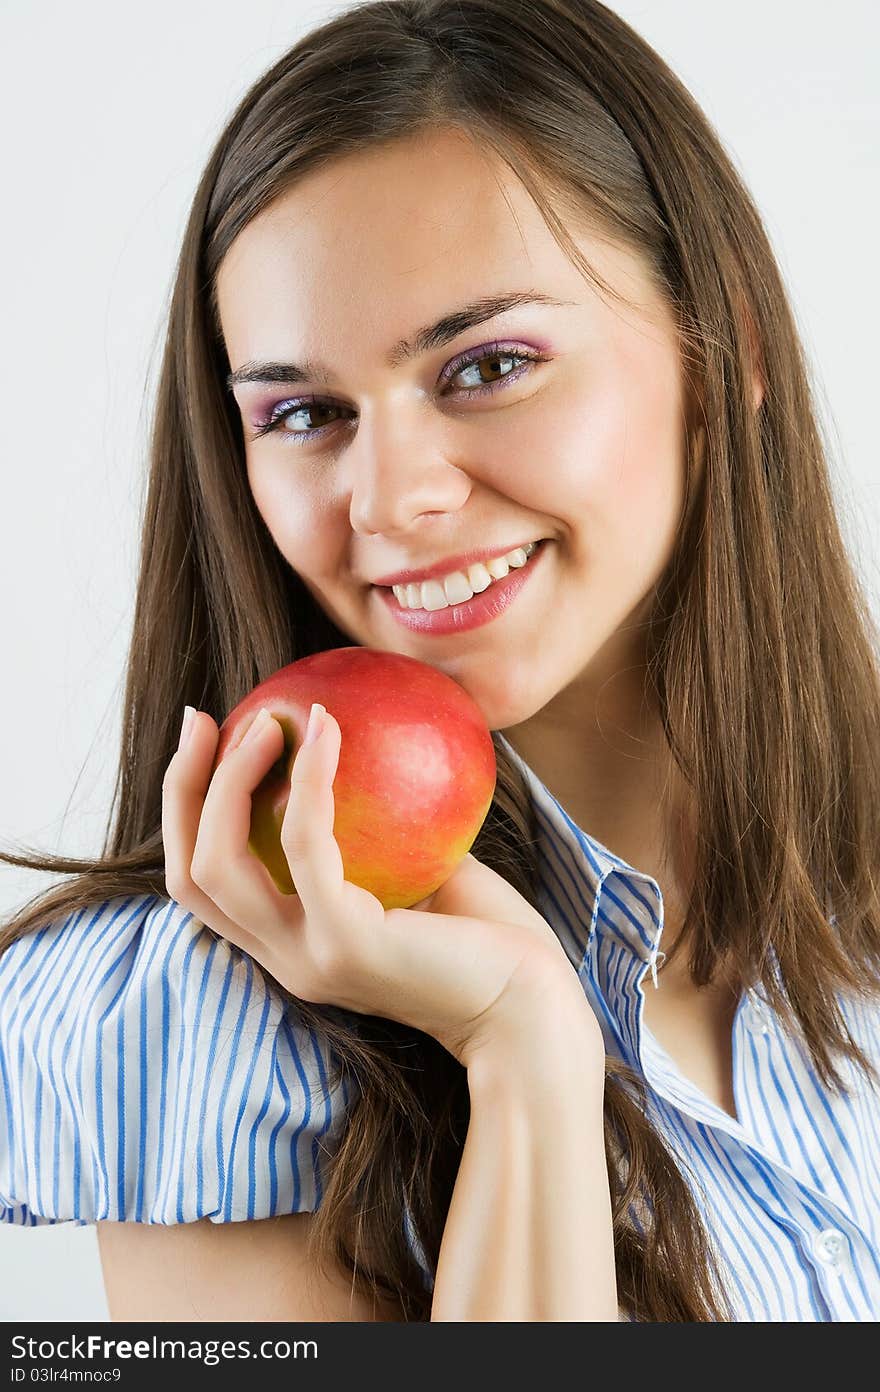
pixel 609 765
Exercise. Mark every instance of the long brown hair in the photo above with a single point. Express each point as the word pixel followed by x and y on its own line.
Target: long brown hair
pixel 761 656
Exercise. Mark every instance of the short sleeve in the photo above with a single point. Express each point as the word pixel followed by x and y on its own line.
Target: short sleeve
pixel 152 1073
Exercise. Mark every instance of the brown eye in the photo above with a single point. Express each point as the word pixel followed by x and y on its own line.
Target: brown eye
pixel 319 409
pixel 491 370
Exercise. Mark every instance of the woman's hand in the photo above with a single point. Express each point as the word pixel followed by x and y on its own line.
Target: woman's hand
pixel 453 966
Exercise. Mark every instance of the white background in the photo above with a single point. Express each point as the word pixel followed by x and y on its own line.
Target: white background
pixel 108 114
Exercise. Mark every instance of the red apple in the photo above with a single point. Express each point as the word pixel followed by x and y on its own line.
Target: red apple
pixel 416 770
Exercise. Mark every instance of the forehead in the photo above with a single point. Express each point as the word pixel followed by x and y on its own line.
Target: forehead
pixel 380 240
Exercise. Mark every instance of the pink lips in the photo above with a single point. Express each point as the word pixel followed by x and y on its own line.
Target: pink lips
pixel 473 613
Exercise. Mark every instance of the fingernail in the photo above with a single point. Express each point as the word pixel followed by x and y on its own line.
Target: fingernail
pixel 189 715
pixel 258 725
pixel 316 723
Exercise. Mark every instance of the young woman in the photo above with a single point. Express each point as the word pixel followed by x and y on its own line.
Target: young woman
pixel 465 282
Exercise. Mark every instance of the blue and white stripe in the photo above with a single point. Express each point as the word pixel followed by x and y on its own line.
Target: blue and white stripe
pixel 150 1073
pixel 790 1191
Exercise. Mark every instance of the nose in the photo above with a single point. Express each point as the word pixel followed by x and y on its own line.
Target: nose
pixel 399 471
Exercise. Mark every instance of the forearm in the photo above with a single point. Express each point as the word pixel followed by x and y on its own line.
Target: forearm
pixel 529 1235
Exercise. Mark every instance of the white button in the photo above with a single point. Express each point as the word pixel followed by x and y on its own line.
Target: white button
pixel 831 1247
pixel 757 1016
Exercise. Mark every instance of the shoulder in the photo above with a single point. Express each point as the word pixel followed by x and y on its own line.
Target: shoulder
pixel 153 1072
pixel 134 964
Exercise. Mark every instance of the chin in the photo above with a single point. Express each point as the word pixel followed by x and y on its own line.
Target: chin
pixel 506 696
pixel 503 699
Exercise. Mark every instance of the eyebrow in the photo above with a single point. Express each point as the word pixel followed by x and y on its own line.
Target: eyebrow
pixel 423 341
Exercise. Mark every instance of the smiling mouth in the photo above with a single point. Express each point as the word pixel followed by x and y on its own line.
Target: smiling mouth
pixel 461 585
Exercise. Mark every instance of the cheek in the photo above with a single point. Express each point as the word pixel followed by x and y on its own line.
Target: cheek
pixel 298 519
pixel 621 461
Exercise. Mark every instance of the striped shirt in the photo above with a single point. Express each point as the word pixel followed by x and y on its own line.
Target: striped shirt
pixel 789 1191
pixel 151 1073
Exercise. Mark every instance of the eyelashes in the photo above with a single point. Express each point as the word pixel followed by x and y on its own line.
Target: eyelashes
pixel 496 352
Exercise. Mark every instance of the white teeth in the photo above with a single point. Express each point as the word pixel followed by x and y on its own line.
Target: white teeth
pixel 497 568
pixel 433 595
pixel 457 589
pixel 461 585
pixel 480 576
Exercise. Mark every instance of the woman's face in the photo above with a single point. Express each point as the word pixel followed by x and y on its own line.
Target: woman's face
pixel 385 461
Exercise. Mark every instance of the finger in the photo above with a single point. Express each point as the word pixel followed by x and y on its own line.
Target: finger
pixel 183 795
pixel 307 838
pixel 223 864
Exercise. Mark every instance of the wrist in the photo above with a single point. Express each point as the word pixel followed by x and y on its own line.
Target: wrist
pixel 543 1026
